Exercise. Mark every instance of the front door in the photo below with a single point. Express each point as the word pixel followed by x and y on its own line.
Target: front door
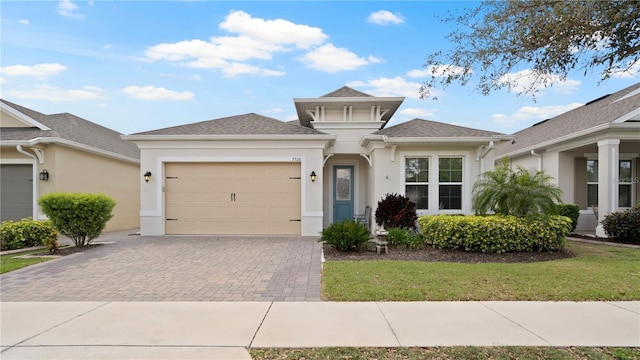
pixel 342 193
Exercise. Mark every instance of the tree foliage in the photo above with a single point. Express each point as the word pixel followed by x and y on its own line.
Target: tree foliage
pixel 499 42
pixel 520 193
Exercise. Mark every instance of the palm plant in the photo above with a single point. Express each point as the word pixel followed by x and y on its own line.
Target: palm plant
pixel 521 193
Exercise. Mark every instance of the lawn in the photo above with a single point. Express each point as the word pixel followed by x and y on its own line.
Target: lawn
pixel 521 353
pixel 10 262
pixel 597 272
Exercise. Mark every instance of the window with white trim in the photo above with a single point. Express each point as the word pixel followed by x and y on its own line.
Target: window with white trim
pixel 416 179
pixel 592 183
pixel 625 184
pixel 450 183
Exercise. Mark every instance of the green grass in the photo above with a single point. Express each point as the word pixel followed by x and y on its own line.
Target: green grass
pixel 597 272
pixel 521 353
pixel 10 262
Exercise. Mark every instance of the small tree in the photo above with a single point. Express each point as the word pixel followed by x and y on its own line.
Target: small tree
pixel 82 217
pixel 521 193
pixel 395 210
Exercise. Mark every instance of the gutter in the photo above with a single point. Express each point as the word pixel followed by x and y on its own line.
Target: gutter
pixel 364 141
pixel 73 144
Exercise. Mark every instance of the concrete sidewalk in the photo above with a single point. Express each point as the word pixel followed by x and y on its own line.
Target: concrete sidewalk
pixel 225 330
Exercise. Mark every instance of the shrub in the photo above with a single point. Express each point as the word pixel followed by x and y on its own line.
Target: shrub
pixel 521 192
pixel 404 237
pixel 496 234
pixel 395 210
pixel 572 211
pixel 623 225
pixel 82 217
pixel 346 235
pixel 26 233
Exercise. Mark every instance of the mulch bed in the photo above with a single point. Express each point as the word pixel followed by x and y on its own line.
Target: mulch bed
pixel 68 250
pixel 438 255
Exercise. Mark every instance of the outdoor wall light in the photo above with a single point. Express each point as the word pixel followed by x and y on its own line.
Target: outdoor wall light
pixel 147 176
pixel 313 176
pixel 44 175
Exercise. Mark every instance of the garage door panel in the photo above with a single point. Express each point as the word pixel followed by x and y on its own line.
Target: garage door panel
pixel 232 198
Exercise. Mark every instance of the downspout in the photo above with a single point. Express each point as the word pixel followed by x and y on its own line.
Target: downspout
pixel 533 152
pixel 34 176
pixel 489 148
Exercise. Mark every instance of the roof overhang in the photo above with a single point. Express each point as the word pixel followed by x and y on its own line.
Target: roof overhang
pixel 71 144
pixel 337 103
pixel 471 140
pixel 30 122
pixel 628 126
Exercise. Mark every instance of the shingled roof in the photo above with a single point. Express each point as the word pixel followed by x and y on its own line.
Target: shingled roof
pixel 428 128
pixel 346 91
pixel 246 124
pixel 595 113
pixel 72 128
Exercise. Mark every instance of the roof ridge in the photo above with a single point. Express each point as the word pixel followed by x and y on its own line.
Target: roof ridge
pixel 346 91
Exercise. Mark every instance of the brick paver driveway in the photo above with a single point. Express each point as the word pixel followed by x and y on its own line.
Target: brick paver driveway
pixel 175 268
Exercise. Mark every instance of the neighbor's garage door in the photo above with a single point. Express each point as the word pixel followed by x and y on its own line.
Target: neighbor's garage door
pixel 16 192
pixel 232 198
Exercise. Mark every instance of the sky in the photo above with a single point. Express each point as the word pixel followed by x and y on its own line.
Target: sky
pixel 134 66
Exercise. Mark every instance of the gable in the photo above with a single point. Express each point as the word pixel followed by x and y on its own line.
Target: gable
pixel 13 117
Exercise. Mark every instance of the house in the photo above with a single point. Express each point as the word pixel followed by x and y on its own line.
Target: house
pixel 251 174
pixel 592 152
pixel 42 153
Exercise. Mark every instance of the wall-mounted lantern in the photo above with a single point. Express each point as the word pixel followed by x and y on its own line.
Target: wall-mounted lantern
pixel 313 176
pixel 147 176
pixel 44 175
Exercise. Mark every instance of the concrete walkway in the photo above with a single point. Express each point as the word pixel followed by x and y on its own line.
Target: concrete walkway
pixel 225 330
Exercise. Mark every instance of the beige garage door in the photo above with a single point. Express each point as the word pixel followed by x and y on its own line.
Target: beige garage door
pixel 232 198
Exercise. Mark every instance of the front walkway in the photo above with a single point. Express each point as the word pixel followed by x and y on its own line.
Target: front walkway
pixel 175 268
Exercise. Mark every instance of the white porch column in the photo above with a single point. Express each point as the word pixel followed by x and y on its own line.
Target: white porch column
pixel 608 155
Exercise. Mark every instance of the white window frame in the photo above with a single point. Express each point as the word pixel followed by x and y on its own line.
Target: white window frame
pixel 623 157
pixel 627 183
pixel 427 183
pixel 460 183
pixel 591 183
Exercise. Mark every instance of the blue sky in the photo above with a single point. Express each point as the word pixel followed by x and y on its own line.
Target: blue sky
pixel 140 65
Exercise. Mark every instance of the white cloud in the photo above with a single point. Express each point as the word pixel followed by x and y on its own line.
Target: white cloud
pixel 153 93
pixel 418 112
pixel 38 70
pixel 107 46
pixel 69 9
pixel 532 113
pixel 257 39
pixel 24 21
pixel 53 93
pixel 524 80
pixel 329 58
pixel 375 60
pixel 436 70
pixel 384 17
pixel 276 31
pixel 389 87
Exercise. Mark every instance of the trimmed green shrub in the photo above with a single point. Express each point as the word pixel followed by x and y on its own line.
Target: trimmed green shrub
pixel 404 237
pixel 346 235
pixel 572 211
pixel 26 233
pixel 395 210
pixel 623 225
pixel 496 234
pixel 82 217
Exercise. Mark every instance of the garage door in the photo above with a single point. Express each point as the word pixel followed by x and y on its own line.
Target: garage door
pixel 232 198
pixel 16 192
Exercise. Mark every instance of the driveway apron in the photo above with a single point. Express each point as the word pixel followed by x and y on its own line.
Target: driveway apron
pixel 176 268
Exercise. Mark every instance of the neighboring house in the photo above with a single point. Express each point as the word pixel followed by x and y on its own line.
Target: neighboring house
pixel 41 153
pixel 251 174
pixel 592 152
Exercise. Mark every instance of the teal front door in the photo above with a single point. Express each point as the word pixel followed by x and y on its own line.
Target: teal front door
pixel 342 193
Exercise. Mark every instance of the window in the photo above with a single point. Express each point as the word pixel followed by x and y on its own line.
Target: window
pixel 450 183
pixel 592 183
pixel 625 183
pixel 416 178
